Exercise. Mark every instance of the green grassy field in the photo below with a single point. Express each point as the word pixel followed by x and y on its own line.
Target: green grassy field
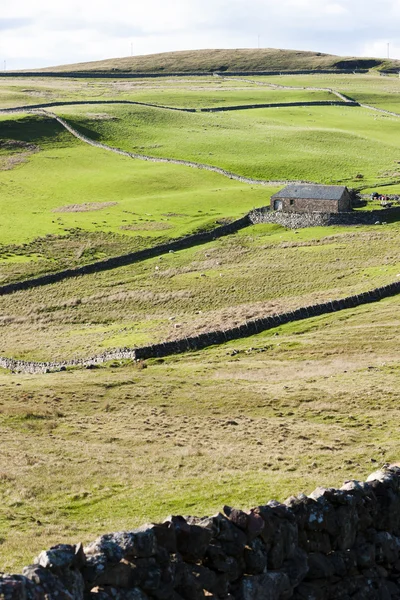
pixel 307 404
pixel 259 271
pixel 382 92
pixel 320 144
pixel 148 203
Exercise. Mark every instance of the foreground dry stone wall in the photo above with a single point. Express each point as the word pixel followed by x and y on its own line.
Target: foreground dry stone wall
pixel 335 544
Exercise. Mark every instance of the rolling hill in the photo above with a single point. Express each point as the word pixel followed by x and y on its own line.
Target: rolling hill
pixel 242 59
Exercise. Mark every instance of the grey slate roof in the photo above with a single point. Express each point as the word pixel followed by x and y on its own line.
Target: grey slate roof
pixel 316 192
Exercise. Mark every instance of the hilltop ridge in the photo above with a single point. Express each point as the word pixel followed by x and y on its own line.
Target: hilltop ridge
pixel 241 59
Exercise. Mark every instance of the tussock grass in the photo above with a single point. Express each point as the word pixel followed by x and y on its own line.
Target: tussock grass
pixel 240 59
pixel 85 452
pixel 259 271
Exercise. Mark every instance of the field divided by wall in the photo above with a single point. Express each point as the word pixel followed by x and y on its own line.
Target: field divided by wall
pixel 306 403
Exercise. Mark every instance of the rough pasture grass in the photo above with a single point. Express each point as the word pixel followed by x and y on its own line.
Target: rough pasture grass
pixel 179 92
pixel 320 144
pixel 315 402
pixel 85 452
pixel 370 88
pixel 261 270
pixel 209 60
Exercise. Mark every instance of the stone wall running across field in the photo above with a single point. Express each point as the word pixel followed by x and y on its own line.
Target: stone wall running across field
pixel 137 75
pixel 211 338
pixel 335 544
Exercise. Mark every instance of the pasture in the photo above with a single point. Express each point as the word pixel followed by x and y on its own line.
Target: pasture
pixel 306 404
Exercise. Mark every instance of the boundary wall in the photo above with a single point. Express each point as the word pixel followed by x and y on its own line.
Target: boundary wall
pixel 128 259
pixel 256 216
pixel 208 339
pixel 125 75
pixel 37 107
pixel 335 544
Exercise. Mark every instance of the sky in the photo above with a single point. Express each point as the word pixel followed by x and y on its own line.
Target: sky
pixel 43 33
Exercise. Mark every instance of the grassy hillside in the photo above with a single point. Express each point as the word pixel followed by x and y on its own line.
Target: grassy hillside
pixel 306 404
pixel 259 271
pixel 241 59
pixel 87 452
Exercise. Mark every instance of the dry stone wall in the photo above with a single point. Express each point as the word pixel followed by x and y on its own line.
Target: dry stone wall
pixel 130 258
pixel 335 544
pixel 211 338
pixel 318 219
pixel 280 105
pixel 125 75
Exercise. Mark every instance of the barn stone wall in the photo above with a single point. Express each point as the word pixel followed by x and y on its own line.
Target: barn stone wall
pixel 313 205
pixel 320 219
pixel 334 544
pixel 306 205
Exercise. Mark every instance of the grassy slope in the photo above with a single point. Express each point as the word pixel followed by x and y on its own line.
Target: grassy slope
pixel 321 144
pixel 155 202
pixel 372 89
pixel 242 59
pixel 86 452
pixel 315 402
pixel 261 270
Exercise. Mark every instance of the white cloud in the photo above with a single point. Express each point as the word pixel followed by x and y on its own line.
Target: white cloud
pixel 336 9
pixel 45 32
pixel 379 48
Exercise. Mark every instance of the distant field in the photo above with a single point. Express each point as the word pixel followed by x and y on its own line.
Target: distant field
pixel 383 92
pixel 320 144
pixel 240 59
pixel 310 403
pixel 195 93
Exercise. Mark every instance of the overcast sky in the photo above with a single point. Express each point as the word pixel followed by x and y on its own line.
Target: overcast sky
pixel 40 33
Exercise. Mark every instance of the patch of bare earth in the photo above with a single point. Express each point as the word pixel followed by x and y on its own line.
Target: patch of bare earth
pixel 16 152
pixel 153 226
pixel 9 162
pixel 101 116
pixel 16 145
pixel 84 207
pixel 39 94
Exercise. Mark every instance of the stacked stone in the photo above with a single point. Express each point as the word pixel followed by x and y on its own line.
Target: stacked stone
pixel 294 220
pixel 332 545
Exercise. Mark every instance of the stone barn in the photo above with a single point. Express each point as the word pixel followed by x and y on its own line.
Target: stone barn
pixel 310 198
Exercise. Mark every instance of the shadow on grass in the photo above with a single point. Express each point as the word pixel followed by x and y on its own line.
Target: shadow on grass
pixel 38 130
